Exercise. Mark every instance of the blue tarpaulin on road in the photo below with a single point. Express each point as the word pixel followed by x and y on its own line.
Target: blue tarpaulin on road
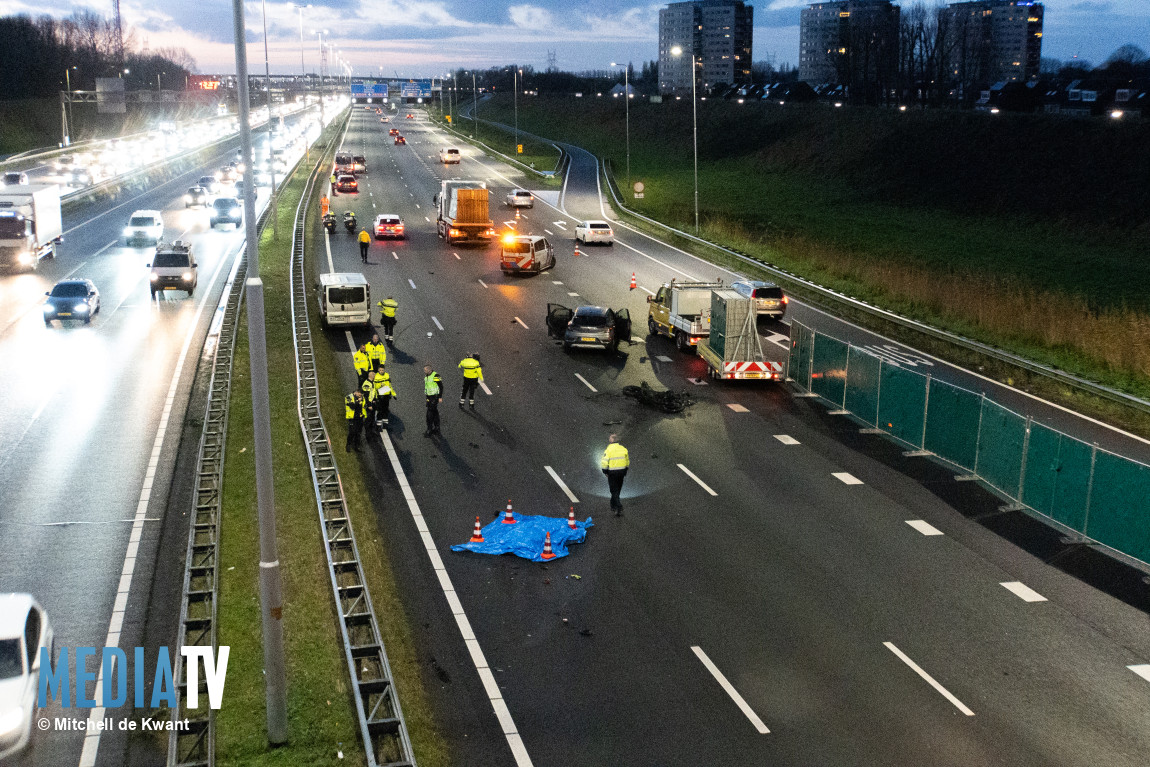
pixel 525 538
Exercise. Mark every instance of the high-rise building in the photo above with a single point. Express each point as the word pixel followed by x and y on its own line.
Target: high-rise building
pixel 993 40
pixel 717 32
pixel 852 43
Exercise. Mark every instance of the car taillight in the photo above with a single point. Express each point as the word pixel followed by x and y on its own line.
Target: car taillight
pixel 785 299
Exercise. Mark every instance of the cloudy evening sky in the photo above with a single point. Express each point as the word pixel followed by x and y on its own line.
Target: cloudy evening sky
pixel 427 37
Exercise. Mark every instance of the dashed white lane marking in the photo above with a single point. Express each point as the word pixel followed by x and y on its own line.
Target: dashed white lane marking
pixel 778 339
pixel 662 358
pixel 116 623
pixel 1022 591
pixel 786 439
pixel 930 680
pixel 549 232
pixel 691 474
pixel 846 478
pixel 428 220
pixel 457 258
pixel 436 321
pixel 737 407
pixel 521 322
pixel 412 284
pixel 573 295
pixel 562 484
pixel 925 528
pixel 484 284
pixel 556 282
pixel 651 292
pixel 1142 670
pixel 586 383
pixel 417 205
pixel 477 657
pixel 730 690
pixel 560 224
pixel 483 386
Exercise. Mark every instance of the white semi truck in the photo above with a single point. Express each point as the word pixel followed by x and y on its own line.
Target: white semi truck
pixel 30 225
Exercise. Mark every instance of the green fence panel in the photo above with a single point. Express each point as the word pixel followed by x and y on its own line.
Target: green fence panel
pixel 800 364
pixel 1120 505
pixel 1000 439
pixel 862 389
pixel 952 423
pixel 902 403
pixel 1057 476
pixel 829 370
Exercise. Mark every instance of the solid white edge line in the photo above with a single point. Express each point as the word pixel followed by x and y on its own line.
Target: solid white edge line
pixel 562 484
pixel 586 383
pixel 112 639
pixel 1022 591
pixel 510 732
pixel 730 690
pixel 930 680
pixel 691 474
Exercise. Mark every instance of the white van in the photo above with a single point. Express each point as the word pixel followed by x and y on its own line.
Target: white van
pixel 344 299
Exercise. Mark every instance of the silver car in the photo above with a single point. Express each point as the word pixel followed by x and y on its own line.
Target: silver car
pixel 24 632
pixel 770 301
pixel 520 198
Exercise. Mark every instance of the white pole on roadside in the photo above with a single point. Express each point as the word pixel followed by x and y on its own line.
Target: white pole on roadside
pixel 271 587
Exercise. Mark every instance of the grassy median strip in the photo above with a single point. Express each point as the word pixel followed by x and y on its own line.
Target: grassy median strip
pixel 322 719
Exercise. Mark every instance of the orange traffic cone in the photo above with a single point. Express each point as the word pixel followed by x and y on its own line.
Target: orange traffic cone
pixel 571 518
pixel 507 518
pixel 547 552
pixel 576 248
pixel 633 285
pixel 477 536
pixel 517 214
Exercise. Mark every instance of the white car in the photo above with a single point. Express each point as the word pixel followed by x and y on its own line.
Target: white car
pixel 594 231
pixel 24 630
pixel 145 226
pixel 449 156
pixel 520 198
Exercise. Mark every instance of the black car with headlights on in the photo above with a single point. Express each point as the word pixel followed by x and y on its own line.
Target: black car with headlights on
pixel 196 196
pixel 227 210
pixel 72 300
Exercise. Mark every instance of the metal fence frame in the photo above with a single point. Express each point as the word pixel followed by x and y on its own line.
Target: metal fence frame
pixel 1001 439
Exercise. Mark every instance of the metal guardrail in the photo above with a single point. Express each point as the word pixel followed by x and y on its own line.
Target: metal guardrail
pixel 196 747
pixel 1061 376
pixel 382 727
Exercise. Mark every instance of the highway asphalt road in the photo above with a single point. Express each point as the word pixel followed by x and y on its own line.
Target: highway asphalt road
pixel 93 418
pixel 780 590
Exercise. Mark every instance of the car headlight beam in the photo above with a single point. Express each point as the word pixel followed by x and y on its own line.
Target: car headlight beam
pixel 10 720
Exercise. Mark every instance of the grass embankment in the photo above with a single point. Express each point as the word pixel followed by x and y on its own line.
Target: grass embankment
pixel 1028 233
pixel 321 712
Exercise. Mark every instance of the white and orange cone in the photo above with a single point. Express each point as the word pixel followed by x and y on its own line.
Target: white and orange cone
pixel 508 519
pixel 571 518
pixel 547 552
pixel 633 285
pixel 576 248
pixel 477 536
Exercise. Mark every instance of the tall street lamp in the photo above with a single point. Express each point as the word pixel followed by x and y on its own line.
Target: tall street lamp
pixel 298 7
pixel 627 112
pixel 69 121
pixel 474 107
pixel 250 162
pixel 678 51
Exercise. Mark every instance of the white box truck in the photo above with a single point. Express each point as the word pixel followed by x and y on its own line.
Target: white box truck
pixel 30 224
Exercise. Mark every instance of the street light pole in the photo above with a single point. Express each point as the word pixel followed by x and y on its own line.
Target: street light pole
pixel 678 51
pixel 249 162
pixel 271 587
pixel 69 121
pixel 515 85
pixel 627 112
pixel 474 107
